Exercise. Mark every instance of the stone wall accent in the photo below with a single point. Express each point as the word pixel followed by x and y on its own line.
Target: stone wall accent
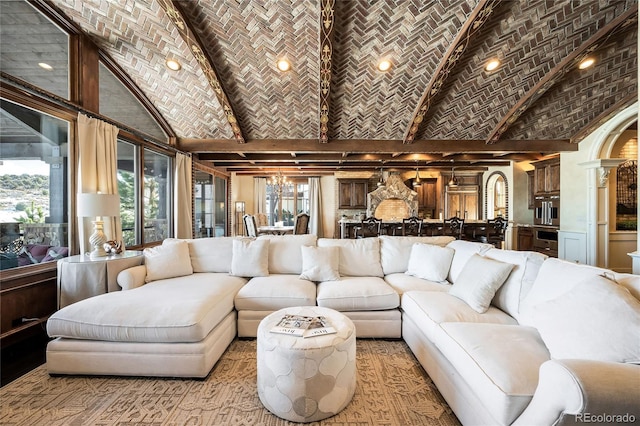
pixel 394 189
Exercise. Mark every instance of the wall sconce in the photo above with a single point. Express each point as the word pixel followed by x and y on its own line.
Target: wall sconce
pixel 98 205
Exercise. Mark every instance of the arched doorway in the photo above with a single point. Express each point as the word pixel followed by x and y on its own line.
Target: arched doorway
pixel 608 246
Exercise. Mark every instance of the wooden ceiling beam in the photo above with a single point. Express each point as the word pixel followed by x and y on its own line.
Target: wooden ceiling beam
pixel 558 72
pixel 177 17
pixel 225 158
pixel 326 53
pixel 358 167
pixel 477 18
pixel 364 146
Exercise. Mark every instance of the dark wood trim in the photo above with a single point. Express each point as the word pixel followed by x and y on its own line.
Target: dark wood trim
pixel 558 72
pixel 26 98
pixel 184 27
pixel 326 52
pixel 373 146
pixel 476 20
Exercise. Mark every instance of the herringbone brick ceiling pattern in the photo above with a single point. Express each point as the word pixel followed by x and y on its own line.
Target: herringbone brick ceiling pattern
pixel 436 90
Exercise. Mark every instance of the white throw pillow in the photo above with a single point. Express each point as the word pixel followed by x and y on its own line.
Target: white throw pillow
pixel 358 258
pixel 169 260
pixel 430 262
pixel 479 280
pixel 597 319
pixel 250 258
pixel 320 263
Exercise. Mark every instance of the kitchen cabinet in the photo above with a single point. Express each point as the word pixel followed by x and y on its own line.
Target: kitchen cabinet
pixel 547 176
pixel 525 238
pixel 463 200
pixel 462 204
pixel 352 193
pixel 427 198
pixel 531 189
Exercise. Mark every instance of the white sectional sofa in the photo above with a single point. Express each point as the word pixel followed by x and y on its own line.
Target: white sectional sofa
pixel 508 337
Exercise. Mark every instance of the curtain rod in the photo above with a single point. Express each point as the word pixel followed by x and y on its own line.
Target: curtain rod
pixel 70 105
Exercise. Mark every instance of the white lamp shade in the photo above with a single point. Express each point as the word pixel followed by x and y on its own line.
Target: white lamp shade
pixel 92 205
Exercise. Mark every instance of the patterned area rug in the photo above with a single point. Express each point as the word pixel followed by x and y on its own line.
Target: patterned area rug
pixel 392 389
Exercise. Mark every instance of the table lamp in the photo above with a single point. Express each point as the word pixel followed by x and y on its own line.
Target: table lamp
pixel 98 205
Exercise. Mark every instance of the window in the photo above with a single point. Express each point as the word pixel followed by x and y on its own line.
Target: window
pixel 627 196
pixel 33 49
pixel 34 178
pixel 210 205
pixel 149 193
pixel 128 183
pixel 285 201
pixel 156 200
pixel 117 102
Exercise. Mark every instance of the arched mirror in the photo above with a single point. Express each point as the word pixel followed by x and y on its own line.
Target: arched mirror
pixel 496 196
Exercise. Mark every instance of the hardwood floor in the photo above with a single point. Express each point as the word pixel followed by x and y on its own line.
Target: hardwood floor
pixel 22 357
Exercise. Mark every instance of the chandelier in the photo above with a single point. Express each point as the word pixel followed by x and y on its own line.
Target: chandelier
pixel 279 183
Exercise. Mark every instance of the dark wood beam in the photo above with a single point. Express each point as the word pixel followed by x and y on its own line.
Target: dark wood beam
pixel 558 72
pixel 478 17
pixel 326 52
pixel 364 146
pixel 177 17
pixel 226 158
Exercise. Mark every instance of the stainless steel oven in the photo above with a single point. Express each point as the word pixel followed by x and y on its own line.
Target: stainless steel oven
pixel 547 210
pixel 545 240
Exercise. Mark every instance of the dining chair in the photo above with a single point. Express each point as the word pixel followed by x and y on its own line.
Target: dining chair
pixel 412 226
pixel 495 231
pixel 261 219
pixel 369 227
pixel 250 225
pixel 453 227
pixel 301 224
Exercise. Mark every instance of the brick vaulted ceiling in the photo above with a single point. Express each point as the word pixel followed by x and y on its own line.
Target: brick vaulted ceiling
pixel 334 110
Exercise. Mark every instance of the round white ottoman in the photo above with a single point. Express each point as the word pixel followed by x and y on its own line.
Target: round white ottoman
pixel 306 379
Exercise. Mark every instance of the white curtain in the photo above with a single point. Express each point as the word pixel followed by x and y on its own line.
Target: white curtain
pixel 260 195
pixel 97 172
pixel 183 220
pixel 315 207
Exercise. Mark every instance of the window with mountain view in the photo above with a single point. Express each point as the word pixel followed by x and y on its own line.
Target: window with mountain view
pixel 34 182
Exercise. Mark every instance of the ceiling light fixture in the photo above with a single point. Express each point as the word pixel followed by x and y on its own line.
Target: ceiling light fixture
pixel 45 66
pixel 453 182
pixel 173 64
pixel 416 181
pixel 380 182
pixel 384 65
pixel 492 64
pixel 586 63
pixel 283 65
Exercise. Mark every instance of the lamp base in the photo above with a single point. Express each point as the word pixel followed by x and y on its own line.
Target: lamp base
pixel 97 240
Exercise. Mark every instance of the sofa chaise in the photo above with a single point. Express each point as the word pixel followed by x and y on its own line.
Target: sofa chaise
pixel 508 337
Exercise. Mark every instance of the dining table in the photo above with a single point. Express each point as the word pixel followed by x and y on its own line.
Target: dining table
pixel 275 230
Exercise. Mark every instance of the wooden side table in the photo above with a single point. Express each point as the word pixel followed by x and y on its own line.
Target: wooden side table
pixel 80 277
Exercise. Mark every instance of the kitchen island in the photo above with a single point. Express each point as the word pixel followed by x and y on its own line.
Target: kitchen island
pixel 473 229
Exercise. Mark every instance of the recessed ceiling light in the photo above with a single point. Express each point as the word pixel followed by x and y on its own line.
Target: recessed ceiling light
pixel 384 65
pixel 586 63
pixel 45 66
pixel 173 64
pixel 492 64
pixel 283 65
